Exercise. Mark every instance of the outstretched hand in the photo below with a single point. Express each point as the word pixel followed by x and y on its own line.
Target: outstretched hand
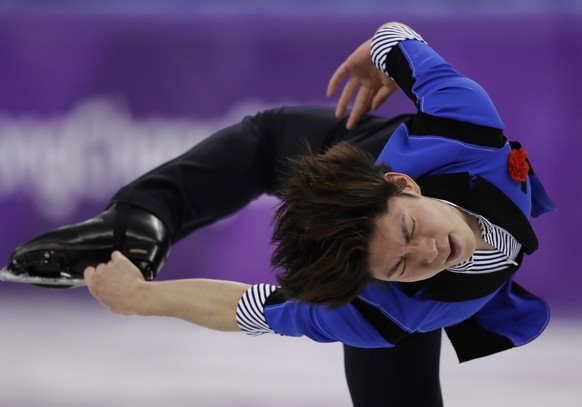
pixel 116 284
pixel 373 87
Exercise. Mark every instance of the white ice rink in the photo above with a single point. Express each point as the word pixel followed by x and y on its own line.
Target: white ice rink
pixel 65 350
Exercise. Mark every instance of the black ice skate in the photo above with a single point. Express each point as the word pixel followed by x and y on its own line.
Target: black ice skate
pixel 58 258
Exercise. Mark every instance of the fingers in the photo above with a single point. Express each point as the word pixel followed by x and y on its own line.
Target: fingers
pixel 347 93
pixel 337 77
pixel 361 107
pixel 117 256
pixel 371 88
pixel 381 96
pixel 89 272
pixel 88 275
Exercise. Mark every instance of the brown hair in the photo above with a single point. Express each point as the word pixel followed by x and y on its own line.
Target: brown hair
pixel 325 222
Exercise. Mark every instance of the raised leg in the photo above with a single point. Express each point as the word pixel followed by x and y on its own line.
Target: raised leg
pixel 212 180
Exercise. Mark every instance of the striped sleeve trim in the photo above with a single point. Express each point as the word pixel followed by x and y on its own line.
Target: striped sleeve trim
pixel 250 310
pixel 386 38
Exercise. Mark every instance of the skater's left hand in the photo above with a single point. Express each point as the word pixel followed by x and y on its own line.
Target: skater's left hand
pixel 370 86
pixel 116 284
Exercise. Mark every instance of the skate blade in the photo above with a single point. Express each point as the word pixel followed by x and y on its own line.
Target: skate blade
pixel 6 275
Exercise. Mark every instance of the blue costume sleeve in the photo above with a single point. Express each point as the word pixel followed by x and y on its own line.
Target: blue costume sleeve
pixel 457 128
pixel 344 324
pixel 435 87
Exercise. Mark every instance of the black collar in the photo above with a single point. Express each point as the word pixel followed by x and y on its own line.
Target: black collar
pixel 483 198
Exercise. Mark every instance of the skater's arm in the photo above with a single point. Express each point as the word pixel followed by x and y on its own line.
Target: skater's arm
pixel 208 303
pixel 120 286
pixel 436 88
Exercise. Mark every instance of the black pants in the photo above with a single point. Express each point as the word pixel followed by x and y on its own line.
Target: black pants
pixel 226 171
pixel 406 375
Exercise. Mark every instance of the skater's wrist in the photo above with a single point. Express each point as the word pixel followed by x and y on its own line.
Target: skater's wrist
pixel 147 299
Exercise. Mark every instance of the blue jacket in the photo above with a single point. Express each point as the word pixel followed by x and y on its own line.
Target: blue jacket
pixel 455 148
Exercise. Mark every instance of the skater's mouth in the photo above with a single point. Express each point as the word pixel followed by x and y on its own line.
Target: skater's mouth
pixel 455 250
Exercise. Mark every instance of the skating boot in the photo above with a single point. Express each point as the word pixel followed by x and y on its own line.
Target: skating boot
pixel 58 258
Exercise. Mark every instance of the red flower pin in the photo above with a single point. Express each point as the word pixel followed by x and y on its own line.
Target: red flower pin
pixel 517 164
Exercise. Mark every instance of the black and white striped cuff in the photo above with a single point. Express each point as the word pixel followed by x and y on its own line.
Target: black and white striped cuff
pixel 386 38
pixel 250 310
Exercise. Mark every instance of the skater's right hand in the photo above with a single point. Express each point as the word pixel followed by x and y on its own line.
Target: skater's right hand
pixel 116 284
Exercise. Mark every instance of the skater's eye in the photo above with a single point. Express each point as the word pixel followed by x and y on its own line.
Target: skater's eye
pixel 407 228
pixel 409 232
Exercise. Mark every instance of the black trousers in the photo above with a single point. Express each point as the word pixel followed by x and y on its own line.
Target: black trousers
pixel 406 375
pixel 230 168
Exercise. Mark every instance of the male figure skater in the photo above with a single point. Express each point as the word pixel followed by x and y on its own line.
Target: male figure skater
pixel 389 229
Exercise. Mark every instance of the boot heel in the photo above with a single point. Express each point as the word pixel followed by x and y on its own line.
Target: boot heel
pixel 147 256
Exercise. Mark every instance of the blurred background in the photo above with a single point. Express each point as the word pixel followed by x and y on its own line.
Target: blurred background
pixel 94 93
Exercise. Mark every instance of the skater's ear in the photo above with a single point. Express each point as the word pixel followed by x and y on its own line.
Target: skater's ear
pixel 405 181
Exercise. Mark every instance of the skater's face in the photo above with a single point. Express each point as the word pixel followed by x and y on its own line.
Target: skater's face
pixel 418 236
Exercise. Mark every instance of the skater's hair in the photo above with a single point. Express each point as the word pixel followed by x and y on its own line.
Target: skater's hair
pixel 323 226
